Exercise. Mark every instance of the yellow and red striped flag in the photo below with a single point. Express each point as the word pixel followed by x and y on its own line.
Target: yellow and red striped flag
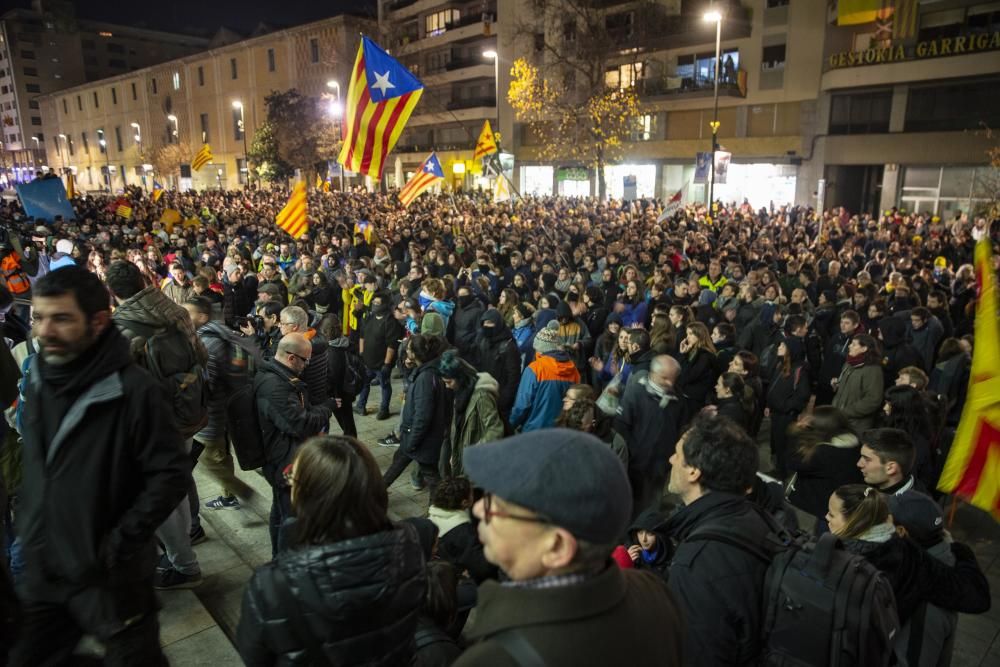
pixel 427 175
pixel 293 218
pixel 972 471
pixel 487 143
pixel 203 157
pixel 853 12
pixel 70 185
pixel 380 99
pixel 124 210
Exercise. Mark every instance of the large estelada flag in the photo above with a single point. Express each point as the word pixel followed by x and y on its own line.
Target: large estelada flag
pixel 487 143
pixel 972 471
pixel 428 174
pixel 293 219
pixel 380 99
pixel 853 12
pixel 203 157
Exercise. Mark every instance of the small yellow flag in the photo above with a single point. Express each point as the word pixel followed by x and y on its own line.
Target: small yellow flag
pixel 487 144
pixel 293 219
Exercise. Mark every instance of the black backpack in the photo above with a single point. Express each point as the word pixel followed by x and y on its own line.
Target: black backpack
pixel 822 604
pixel 172 359
pixel 243 426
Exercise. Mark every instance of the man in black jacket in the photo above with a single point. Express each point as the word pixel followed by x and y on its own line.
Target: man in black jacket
pixel 496 353
pixel 380 335
pixel 103 468
pixel 649 418
pixel 286 419
pixel 719 586
pixel 468 313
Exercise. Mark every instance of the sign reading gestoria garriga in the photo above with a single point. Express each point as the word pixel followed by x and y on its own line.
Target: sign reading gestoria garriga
pixel 934 48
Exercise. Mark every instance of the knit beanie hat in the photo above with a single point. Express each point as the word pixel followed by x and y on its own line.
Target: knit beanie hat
pixel 547 339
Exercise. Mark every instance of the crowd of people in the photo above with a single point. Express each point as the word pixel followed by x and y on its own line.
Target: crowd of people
pixel 587 391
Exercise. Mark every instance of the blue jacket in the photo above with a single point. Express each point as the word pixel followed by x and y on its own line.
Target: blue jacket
pixel 543 385
pixel 634 314
pixel 523 337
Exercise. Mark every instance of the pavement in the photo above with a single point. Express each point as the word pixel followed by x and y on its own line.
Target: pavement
pixel 198 625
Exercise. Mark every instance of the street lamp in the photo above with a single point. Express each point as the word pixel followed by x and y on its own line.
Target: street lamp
pixel 173 119
pixel 715 16
pixel 59 149
pixel 495 57
pixel 107 159
pixel 34 164
pixel 237 104
pixel 337 111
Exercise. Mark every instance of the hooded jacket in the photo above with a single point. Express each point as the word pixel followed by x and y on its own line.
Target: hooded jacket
pixel 151 308
pixel 481 422
pixel 542 387
pixel 859 395
pixel 466 321
pixel 358 599
pixel 103 468
pixel 832 465
pixel 496 352
pixel 718 586
pixel 426 414
pixel 897 353
pixel 656 561
pixel 926 340
pixel 215 337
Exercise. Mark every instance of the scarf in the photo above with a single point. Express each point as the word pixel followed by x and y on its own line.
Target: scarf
pixel 880 533
pixel 856 360
pixel 658 392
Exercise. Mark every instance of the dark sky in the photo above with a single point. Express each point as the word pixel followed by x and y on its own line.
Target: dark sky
pixel 204 16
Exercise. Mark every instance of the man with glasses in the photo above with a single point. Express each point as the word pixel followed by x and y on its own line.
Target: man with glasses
pixel 286 418
pixel 551 528
pixel 296 320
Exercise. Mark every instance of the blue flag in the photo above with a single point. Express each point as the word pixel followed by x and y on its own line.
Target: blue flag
pixel 45 198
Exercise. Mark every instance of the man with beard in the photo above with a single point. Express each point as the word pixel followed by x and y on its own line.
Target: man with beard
pixel 103 468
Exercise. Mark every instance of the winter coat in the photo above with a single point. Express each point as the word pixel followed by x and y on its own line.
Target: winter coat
pixel 336 366
pixel 732 408
pixel 916 576
pixel 524 336
pixel 657 561
pixel 481 422
pixel 650 426
pixel 466 321
pixel 928 639
pixel 175 292
pixel 152 309
pixel 285 415
pixel 103 467
pixel 315 372
pixel 696 379
pixel 634 314
pixel 540 392
pixel 459 544
pixel 238 299
pixel 950 379
pixel 788 395
pixel 216 337
pixel 859 395
pixel 595 622
pixel 498 355
pixel 426 415
pixel 926 341
pixel 719 586
pixel 897 353
pixel 358 599
pixel 832 465
pixel 834 357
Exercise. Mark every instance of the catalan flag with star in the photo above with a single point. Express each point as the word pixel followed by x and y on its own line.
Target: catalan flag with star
pixel 157 191
pixel 428 174
pixel 381 96
pixel 487 143
pixel 972 471
pixel 203 157
pixel 293 219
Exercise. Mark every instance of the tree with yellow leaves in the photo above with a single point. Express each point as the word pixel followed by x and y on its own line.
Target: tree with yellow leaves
pixel 575 113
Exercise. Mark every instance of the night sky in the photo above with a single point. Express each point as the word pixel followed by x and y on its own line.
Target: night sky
pixel 203 17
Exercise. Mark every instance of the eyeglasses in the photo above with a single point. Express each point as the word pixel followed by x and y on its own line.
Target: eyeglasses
pixel 489 513
pixel 286 324
pixel 305 362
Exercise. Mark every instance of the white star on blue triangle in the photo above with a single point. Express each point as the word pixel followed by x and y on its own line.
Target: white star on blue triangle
pixel 385 76
pixel 433 166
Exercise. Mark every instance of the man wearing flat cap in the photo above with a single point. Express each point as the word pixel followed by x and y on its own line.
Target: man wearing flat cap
pixel 556 502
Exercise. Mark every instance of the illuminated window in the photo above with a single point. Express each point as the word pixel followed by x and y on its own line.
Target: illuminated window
pixel 437 23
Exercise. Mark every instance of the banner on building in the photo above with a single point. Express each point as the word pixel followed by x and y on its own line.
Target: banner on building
pixel 722 160
pixel 702 165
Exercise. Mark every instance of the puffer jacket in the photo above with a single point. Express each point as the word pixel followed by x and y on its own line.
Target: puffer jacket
pixel 177 293
pixel 897 353
pixel 357 600
pixel 215 338
pixel 285 415
pixel 481 422
pixel 540 393
pixel 152 308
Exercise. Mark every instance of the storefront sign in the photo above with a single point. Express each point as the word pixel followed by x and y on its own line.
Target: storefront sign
pixel 572 174
pixel 934 48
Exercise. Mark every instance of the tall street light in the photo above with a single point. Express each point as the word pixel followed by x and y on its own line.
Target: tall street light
pixel 337 111
pixel 173 119
pixel 495 57
pixel 717 18
pixel 34 154
pixel 237 104
pixel 107 159
pixel 63 162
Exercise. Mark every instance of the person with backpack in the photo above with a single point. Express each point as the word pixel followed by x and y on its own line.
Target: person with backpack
pixel 285 420
pixel 380 334
pixel 229 366
pixel 718 584
pixel 162 339
pixel 859 516
pixel 103 467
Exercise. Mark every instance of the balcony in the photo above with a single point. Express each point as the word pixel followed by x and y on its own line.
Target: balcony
pixel 671 86
pixel 462 63
pixel 678 31
pixel 400 4
pixel 470 19
pixel 472 103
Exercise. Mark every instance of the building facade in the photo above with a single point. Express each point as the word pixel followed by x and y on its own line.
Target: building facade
pixel 43 51
pixel 904 109
pixel 214 97
pixel 458 49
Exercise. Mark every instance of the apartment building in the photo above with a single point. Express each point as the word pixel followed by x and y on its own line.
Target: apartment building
pixel 109 130
pixel 42 51
pixel 457 49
